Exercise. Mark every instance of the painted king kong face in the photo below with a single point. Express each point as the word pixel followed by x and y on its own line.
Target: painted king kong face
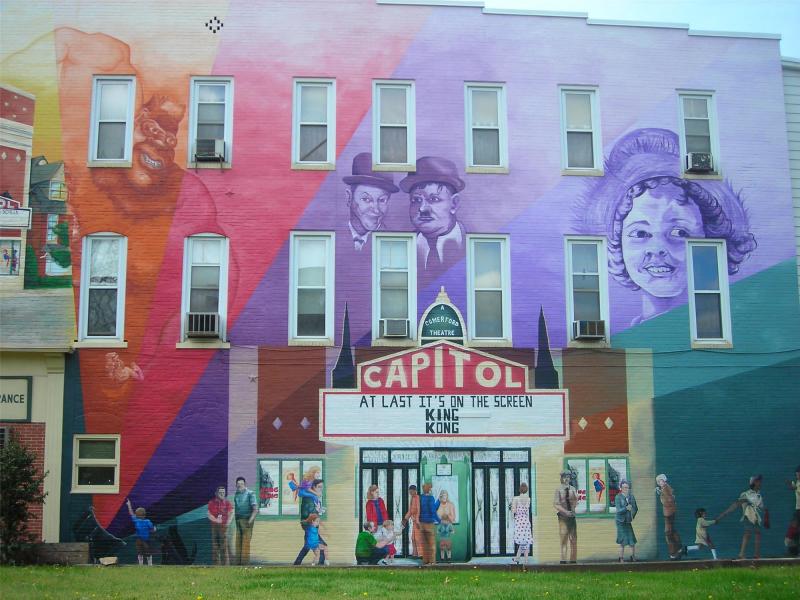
pixel 154 141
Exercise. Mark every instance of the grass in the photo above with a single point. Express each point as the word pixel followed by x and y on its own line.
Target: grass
pixel 197 583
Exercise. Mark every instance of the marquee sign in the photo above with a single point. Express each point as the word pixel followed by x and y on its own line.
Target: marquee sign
pixel 13 215
pixel 442 390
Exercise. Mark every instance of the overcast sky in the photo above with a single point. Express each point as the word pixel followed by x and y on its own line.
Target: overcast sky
pixel 760 16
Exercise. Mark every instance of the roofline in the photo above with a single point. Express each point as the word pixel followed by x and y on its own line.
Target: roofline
pixel 788 62
pixel 16 90
pixel 581 15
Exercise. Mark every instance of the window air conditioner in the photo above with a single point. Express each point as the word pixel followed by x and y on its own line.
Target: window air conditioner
pixel 209 150
pixel 588 330
pixel 394 328
pixel 699 162
pixel 202 325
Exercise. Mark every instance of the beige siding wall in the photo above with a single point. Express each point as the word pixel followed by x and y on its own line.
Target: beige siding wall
pixel 791 86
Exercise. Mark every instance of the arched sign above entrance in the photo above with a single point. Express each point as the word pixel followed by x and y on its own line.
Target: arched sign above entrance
pixel 441 321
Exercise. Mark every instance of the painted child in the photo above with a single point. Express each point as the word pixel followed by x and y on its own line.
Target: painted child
pixel 701 534
pixel 445 530
pixel 291 481
pixel 144 528
pixel 388 535
pixel 313 541
pixel 792 538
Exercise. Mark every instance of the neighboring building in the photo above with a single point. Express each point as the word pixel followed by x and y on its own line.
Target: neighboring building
pixel 791 90
pixel 463 247
pixel 37 327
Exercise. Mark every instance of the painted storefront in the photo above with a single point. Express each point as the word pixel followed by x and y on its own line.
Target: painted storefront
pixel 264 403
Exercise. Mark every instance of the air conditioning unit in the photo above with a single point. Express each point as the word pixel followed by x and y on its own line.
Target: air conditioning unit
pixel 209 150
pixel 202 325
pixel 394 328
pixel 699 162
pixel 588 330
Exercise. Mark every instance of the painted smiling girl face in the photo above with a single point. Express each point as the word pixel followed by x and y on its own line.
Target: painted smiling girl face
pixel 654 238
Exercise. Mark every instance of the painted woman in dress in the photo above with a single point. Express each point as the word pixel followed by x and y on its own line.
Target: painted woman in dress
pixel 446 508
pixel 523 535
pixel 626 507
pixel 599 487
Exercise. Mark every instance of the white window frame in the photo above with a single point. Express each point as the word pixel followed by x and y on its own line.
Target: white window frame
pixel 505 289
pixel 330 161
pixel 186 286
pixel 502 118
pixel 711 103
pixel 50 236
pixel 597 144
pixel 411 127
pixel 602 266
pixel 228 137
pixel 724 292
pixel 85 286
pixel 410 239
pixel 330 287
pixel 95 462
pixel 97 83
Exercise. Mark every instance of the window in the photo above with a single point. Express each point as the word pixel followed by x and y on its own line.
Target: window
pixel 486 126
pixel 698 129
pixel 597 481
pixel 587 290
pixel 103 287
pixel 95 464
pixel 395 295
pixel 709 302
pixel 282 482
pixel 314 133
pixel 52 221
pixel 489 299
pixel 580 128
pixel 112 119
pixel 312 287
pixel 58 190
pixel 205 286
pixel 9 257
pixel 394 134
pixel 211 116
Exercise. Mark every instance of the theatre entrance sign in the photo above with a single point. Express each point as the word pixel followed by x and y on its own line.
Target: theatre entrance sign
pixel 442 390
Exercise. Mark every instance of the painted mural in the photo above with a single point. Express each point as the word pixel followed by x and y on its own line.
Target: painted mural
pixel 539 450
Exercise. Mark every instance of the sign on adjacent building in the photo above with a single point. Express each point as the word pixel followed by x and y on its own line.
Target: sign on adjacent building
pixel 442 390
pixel 15 398
pixel 13 215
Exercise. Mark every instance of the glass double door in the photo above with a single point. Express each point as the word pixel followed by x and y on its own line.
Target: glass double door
pixel 393 481
pixel 493 488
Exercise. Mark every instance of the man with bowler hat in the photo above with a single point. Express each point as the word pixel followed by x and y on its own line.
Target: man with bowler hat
pixel 434 199
pixel 367 196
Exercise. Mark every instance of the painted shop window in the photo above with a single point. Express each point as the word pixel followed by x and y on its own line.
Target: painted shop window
pixel 488 280
pixel 580 128
pixel 314 123
pixel 52 221
pixel 486 133
pixel 597 480
pixel 205 286
pixel 10 254
pixel 709 301
pixel 312 286
pixel 95 464
pixel 394 303
pixel 58 190
pixel 211 120
pixel 698 132
pixel 102 295
pixel 394 131
pixel 112 119
pixel 587 289
pixel 284 484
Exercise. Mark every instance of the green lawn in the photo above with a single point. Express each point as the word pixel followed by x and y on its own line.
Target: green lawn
pixel 196 583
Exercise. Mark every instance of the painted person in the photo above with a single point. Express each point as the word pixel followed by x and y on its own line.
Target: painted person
pixel 428 519
pixel 313 541
pixel 220 514
pixel 245 508
pixel 412 518
pixel 523 534
pixel 648 211
pixel 310 503
pixel 446 508
pixel 434 200
pixel 144 530
pixel 795 485
pixel 369 551
pixel 445 531
pixel 669 508
pixel 367 196
pixel 376 508
pixel 702 538
pixel 599 486
pixel 387 534
pixel 753 516
pixel 626 509
pixel 565 501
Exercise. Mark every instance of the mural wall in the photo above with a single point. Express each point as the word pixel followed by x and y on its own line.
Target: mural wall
pixel 193 419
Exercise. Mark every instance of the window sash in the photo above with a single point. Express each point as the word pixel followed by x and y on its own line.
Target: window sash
pixel 586 284
pixel 97 150
pixel 211 124
pixel 302 324
pixel 403 129
pixel 80 465
pixel 489 305
pixel 52 222
pixel 710 321
pixel 486 150
pixel 391 298
pixel 698 127
pixel 577 156
pixel 96 294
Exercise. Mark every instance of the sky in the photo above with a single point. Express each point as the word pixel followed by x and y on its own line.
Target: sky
pixel 755 16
